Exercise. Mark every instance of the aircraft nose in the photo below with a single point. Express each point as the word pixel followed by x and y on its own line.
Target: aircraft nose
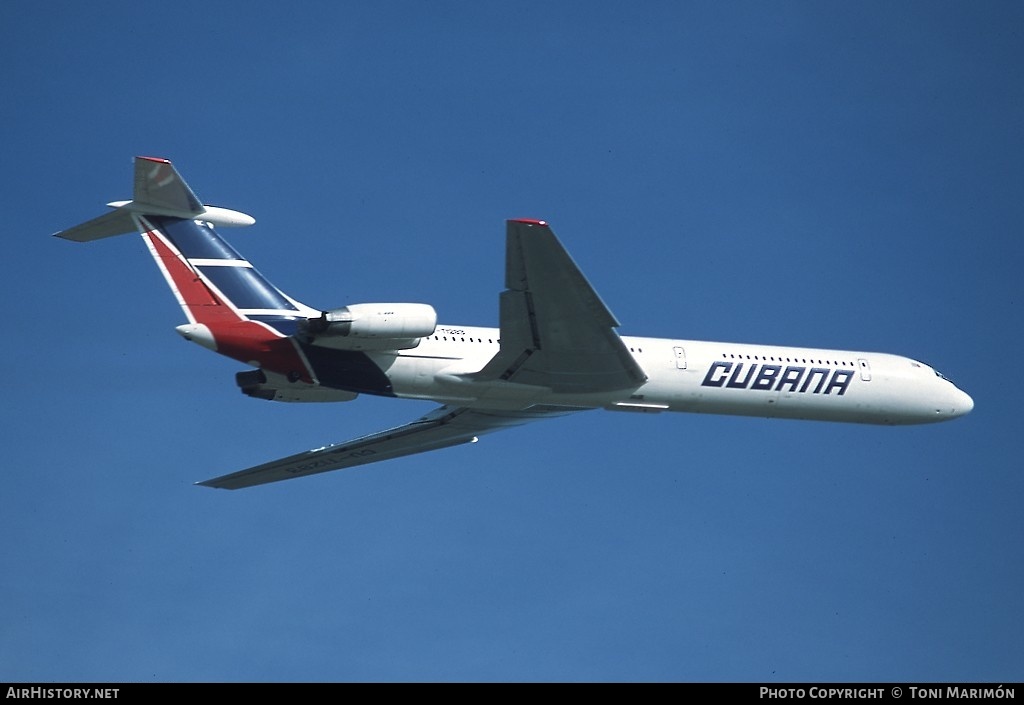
pixel 962 403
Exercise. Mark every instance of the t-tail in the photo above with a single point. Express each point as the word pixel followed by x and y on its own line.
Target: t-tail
pixel 231 308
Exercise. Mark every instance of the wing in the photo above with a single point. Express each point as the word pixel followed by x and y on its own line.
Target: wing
pixel 441 428
pixel 555 330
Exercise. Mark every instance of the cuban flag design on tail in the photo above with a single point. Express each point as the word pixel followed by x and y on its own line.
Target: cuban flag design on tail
pixel 231 308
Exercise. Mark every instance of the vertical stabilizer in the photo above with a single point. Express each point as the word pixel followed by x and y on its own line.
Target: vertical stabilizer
pixel 231 308
pixel 159 188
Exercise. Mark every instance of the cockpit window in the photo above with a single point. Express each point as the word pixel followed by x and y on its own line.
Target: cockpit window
pixel 937 373
pixel 940 375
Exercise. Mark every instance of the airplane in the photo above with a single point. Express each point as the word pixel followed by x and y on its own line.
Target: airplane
pixel 556 350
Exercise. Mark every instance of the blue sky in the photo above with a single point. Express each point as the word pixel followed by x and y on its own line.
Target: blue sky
pixel 827 174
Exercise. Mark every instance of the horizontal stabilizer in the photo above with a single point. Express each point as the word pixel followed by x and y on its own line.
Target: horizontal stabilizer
pixel 117 222
pixel 159 190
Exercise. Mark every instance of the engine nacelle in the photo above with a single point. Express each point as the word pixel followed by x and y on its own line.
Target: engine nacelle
pixel 362 326
pixel 261 384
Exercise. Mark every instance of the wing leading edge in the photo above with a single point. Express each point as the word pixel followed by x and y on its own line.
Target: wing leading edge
pixel 443 427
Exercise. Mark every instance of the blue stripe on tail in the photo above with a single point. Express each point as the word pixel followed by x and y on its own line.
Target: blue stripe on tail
pixel 243 286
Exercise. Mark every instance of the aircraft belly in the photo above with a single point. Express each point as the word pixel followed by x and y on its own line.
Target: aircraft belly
pixel 348 370
pixel 451 381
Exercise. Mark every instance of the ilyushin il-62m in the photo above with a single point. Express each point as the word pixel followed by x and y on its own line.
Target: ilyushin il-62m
pixel 555 350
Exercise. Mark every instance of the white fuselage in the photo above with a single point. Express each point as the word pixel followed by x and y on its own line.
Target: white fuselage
pixel 696 376
pixel 560 350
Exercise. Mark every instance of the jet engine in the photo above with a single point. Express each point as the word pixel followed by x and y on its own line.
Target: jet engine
pixel 261 384
pixel 371 326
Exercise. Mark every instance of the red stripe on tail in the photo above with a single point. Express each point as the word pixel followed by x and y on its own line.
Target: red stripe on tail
pixel 236 336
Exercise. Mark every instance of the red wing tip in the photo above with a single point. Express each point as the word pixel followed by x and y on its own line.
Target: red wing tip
pixel 159 160
pixel 529 221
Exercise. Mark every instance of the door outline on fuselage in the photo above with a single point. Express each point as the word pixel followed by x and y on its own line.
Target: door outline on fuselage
pixel 680 355
pixel 865 369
